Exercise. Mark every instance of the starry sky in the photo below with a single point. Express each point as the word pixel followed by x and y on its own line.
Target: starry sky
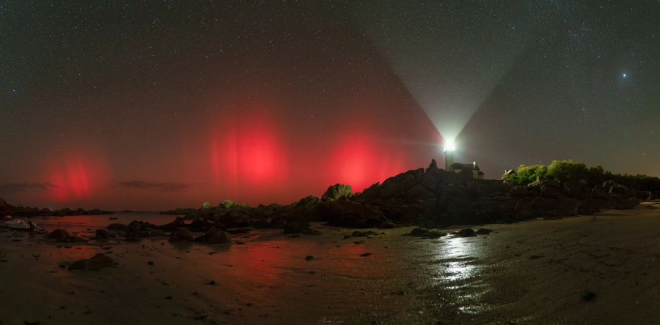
pixel 151 105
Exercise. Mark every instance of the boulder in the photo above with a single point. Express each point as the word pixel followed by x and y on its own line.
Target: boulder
pixel 633 201
pixel 551 192
pixel 372 192
pixel 419 193
pixel 524 209
pixel 567 206
pixel 588 207
pixel 448 177
pixel 421 232
pixel 504 187
pixel 454 206
pixel 484 231
pixel 349 213
pixel 76 239
pixel 599 193
pixel 102 234
pixel 296 227
pixel 181 236
pixel 547 183
pixel 337 191
pixel 435 234
pixel 519 191
pixel 405 213
pixel 260 224
pixel 397 186
pixel 430 180
pixel 387 225
pixel 418 232
pixel 613 187
pixel 577 189
pixel 545 203
pixel 608 202
pixel 632 193
pixel 157 232
pixel 217 236
pixel 622 201
pixel 117 226
pixel 200 225
pixel 308 202
pixel 59 235
pixel 97 262
pixel 467 232
pixel 418 174
pixel 141 225
pixel 179 222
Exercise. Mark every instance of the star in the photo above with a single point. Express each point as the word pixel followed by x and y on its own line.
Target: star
pixel 625 75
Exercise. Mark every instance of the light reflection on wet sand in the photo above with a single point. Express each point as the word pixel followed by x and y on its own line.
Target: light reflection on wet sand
pixel 528 273
pixel 458 273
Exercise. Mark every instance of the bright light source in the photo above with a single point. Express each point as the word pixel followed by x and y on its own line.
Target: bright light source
pixel 450 146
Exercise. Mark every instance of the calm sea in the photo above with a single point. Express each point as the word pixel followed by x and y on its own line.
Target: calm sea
pixel 89 224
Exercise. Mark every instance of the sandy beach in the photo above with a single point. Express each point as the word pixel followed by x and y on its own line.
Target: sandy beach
pixel 582 270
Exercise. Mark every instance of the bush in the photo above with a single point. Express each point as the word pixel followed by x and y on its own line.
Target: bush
pixel 526 174
pixel 567 170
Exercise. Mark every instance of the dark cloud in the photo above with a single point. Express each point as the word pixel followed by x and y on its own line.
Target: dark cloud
pixel 156 186
pixel 19 187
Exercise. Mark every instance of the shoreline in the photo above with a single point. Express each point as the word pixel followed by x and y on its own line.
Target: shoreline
pixel 527 273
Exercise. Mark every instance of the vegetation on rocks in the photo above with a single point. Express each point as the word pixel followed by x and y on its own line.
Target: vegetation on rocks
pixel 569 170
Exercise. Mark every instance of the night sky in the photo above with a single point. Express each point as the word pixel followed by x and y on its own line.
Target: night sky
pixel 158 104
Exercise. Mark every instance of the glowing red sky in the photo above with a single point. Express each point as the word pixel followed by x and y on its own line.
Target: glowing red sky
pixel 160 105
pixel 246 150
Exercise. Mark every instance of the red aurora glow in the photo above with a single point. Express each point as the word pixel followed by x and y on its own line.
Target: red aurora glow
pixel 360 162
pixel 248 156
pixel 260 159
pixel 75 178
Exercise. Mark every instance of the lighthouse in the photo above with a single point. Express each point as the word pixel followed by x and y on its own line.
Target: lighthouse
pixel 449 151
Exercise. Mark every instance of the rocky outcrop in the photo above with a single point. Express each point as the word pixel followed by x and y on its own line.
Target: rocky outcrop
pixel 60 235
pixel 297 227
pixel 3 204
pixel 424 196
pixel 136 230
pixel 103 234
pixel 349 213
pixel 337 191
pixel 520 192
pixel 181 236
pixel 117 226
pixel 215 236
pixel 179 222
pixel 599 193
pixel 200 225
pixel 552 192
pixel 577 190
pixel 588 207
pixel 95 263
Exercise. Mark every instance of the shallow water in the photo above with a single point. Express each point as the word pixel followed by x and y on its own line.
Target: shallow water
pixel 88 224
pixel 527 273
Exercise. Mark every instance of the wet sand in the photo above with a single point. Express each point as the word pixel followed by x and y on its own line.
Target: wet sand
pixel 528 273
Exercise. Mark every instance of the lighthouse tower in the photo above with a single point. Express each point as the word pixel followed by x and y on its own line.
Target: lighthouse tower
pixel 449 158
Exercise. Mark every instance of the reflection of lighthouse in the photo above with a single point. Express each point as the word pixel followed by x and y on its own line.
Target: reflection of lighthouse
pixel 449 159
